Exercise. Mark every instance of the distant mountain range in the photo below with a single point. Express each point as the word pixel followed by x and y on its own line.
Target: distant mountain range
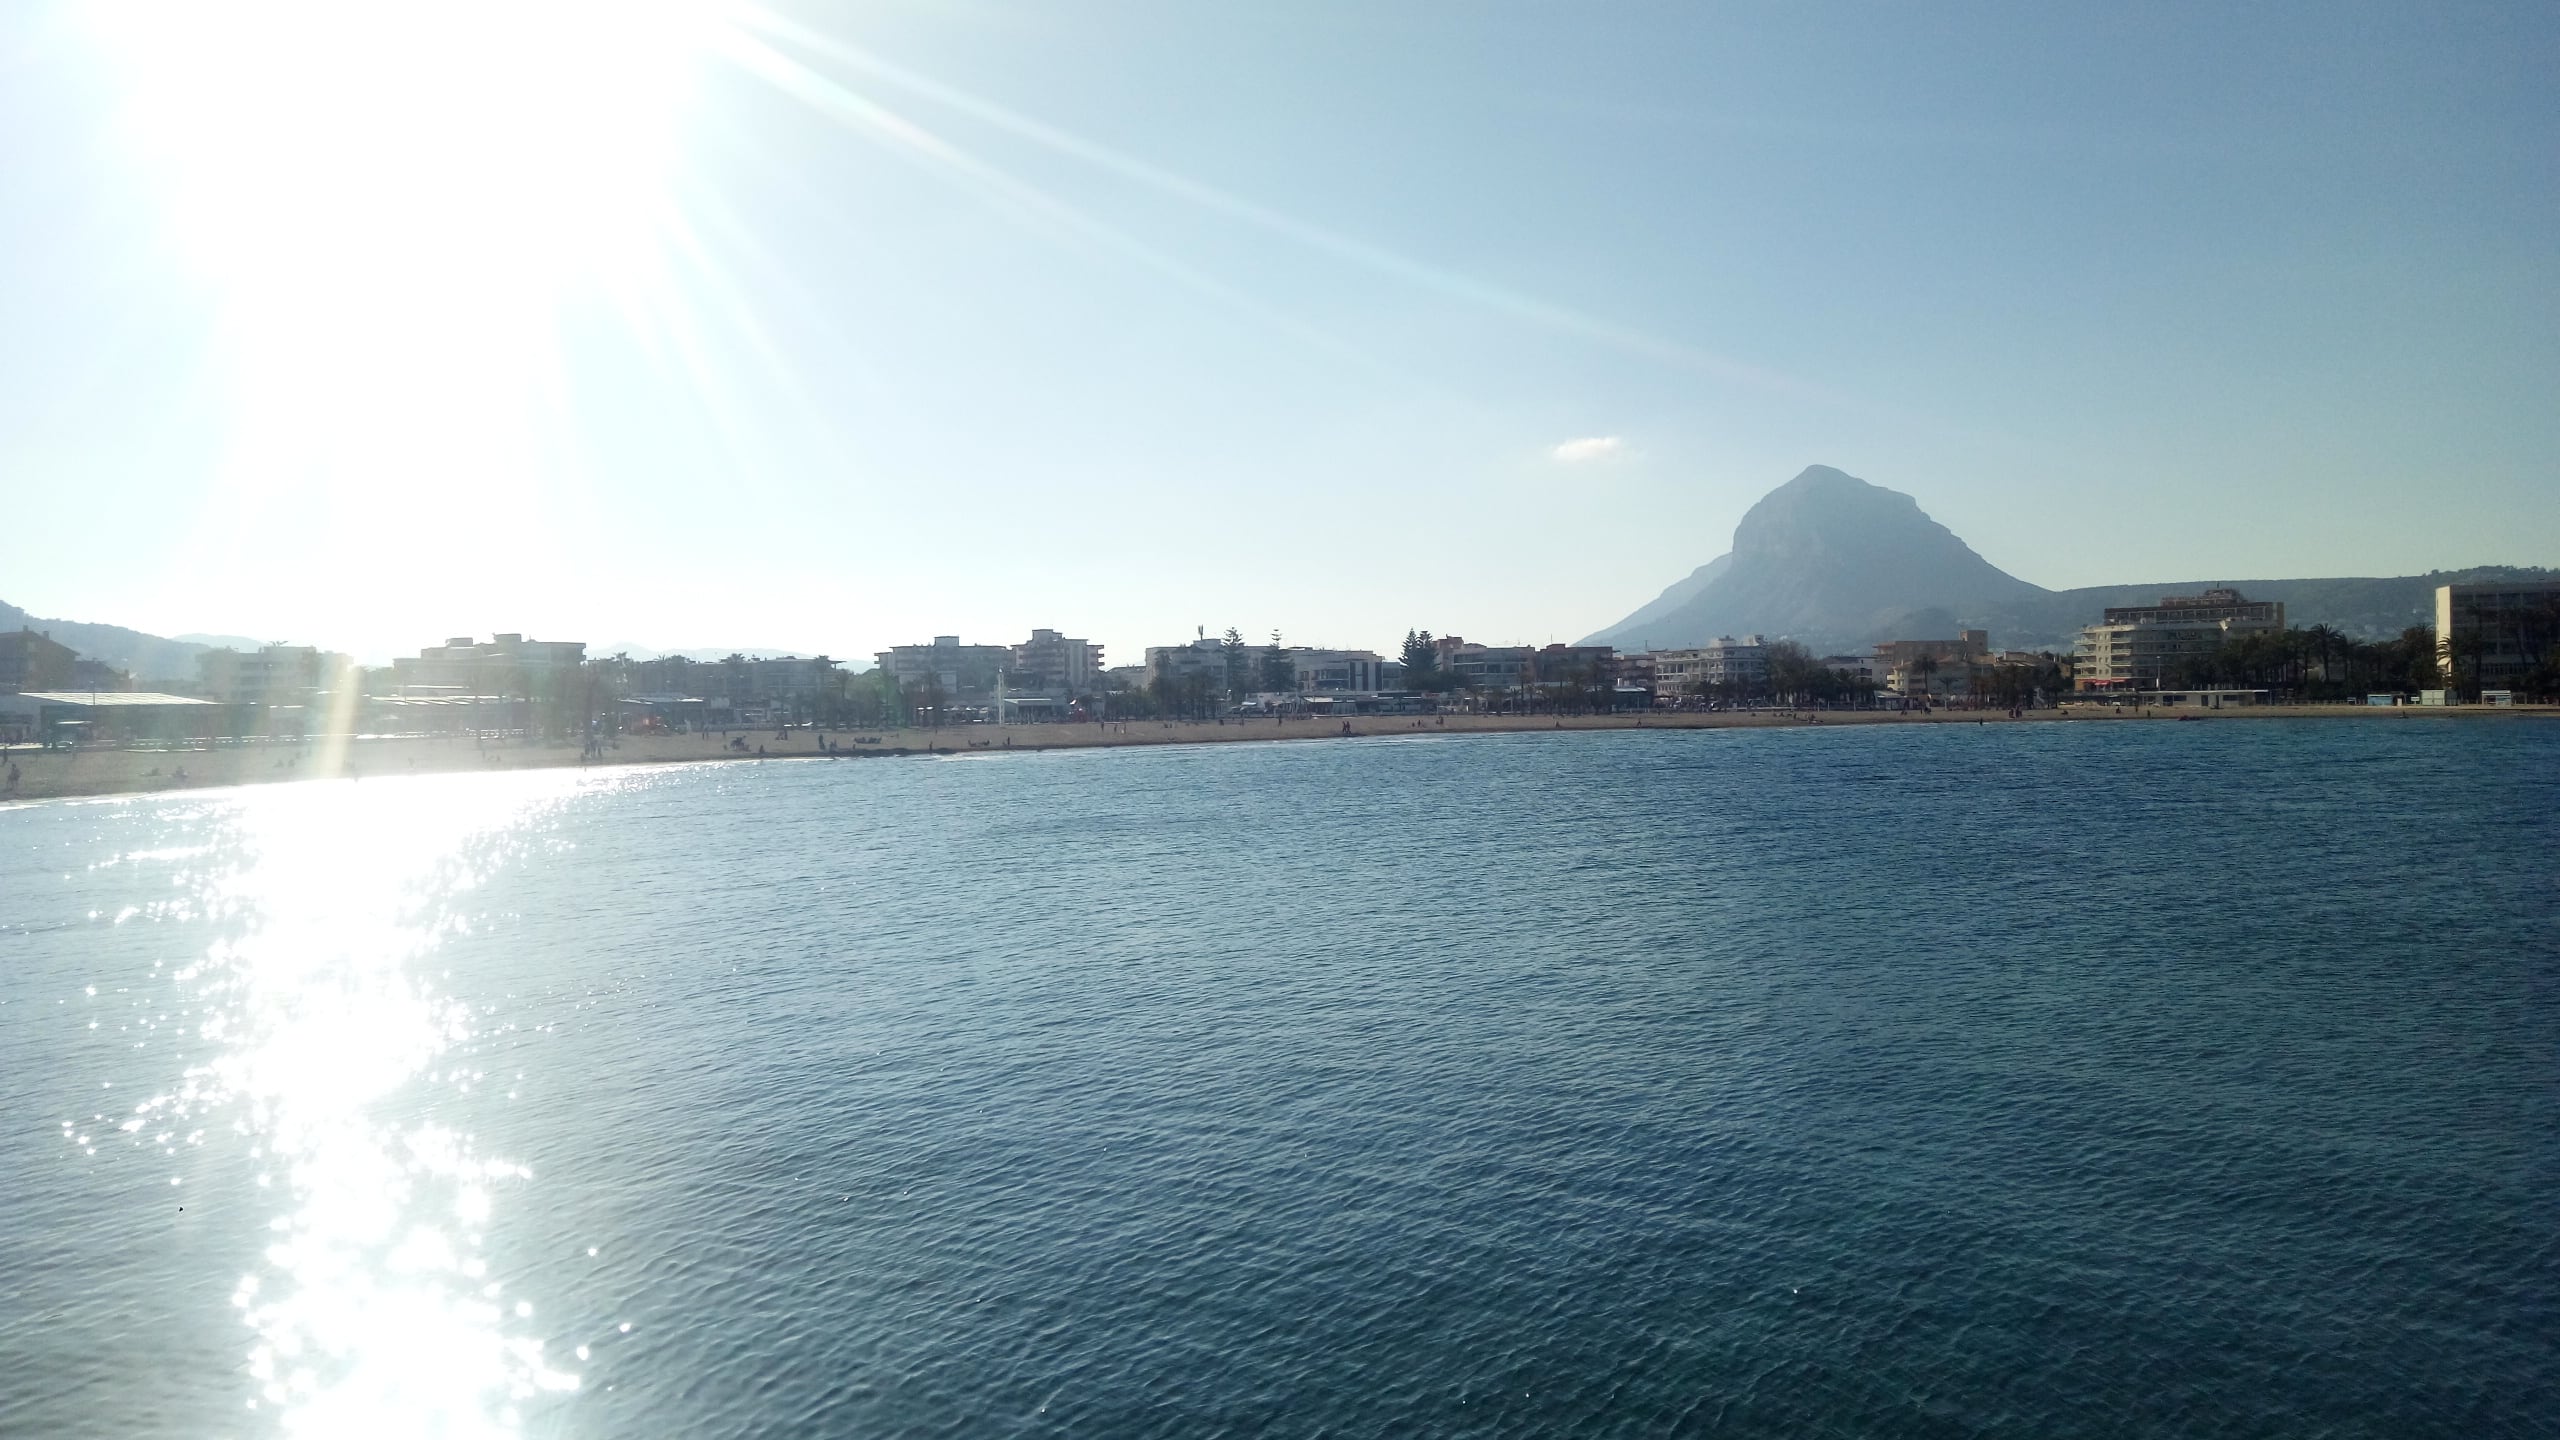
pixel 160 657
pixel 145 657
pixel 1825 559
pixel 1838 564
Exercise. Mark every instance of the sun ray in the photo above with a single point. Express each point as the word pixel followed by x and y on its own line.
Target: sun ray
pixel 1315 237
pixel 1024 203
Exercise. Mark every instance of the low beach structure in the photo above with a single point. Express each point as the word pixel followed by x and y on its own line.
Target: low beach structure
pixel 51 717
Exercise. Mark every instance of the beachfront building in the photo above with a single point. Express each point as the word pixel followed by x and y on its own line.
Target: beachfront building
pixel 32 661
pixel 508 665
pixel 1200 656
pixel 509 682
pixel 1486 667
pixel 1726 665
pixel 1675 672
pixel 1740 665
pixel 1859 668
pixel 1054 665
pixel 81 717
pixel 1204 665
pixel 1314 670
pixel 2494 636
pixel 957 672
pixel 2141 647
pixel 1491 671
pixel 1935 669
pixel 790 688
pixel 1337 671
pixel 270 675
pixel 1574 664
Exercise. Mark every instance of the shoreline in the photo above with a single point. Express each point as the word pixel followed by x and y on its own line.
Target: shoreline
pixel 54 775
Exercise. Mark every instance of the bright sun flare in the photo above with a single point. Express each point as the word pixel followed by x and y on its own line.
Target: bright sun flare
pixel 451 149
pixel 393 206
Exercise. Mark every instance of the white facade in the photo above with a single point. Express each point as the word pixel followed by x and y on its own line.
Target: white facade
pixel 2140 647
pixel 508 665
pixel 958 669
pixel 2500 630
pixel 1720 663
pixel 1329 670
pixel 1054 664
pixel 1314 670
pixel 269 675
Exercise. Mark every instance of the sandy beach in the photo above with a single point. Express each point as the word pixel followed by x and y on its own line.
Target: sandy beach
pixel 45 774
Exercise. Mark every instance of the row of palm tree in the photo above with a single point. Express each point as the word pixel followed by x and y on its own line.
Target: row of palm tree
pixel 2319 663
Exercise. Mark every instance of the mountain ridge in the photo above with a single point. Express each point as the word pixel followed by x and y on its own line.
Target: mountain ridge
pixel 172 658
pixel 1839 563
pixel 142 655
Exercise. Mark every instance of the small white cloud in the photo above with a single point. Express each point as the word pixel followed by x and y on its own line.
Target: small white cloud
pixel 1589 449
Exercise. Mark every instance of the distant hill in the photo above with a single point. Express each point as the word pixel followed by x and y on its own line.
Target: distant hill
pixel 160 657
pixel 219 642
pixel 1838 564
pixel 145 657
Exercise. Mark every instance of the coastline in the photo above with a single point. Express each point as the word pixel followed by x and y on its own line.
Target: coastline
pixel 51 775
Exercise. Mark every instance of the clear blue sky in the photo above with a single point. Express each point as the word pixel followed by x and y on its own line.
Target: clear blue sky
pixel 837 326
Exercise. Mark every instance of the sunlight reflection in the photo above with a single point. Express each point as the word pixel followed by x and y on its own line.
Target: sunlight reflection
pixel 375 1313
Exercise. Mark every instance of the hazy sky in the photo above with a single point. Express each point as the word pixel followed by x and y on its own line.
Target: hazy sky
pixel 838 326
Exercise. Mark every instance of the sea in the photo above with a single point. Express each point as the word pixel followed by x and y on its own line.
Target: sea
pixel 2113 1078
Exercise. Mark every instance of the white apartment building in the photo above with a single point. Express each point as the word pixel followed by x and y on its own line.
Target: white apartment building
pixel 1321 671
pixel 508 665
pixel 1204 656
pixel 958 669
pixel 1316 670
pixel 2515 626
pixel 1053 664
pixel 1717 665
pixel 269 675
pixel 2140 647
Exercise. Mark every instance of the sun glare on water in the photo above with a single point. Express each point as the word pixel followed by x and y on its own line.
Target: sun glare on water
pixel 374 1312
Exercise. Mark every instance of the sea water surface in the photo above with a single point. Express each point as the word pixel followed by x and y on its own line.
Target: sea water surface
pixel 2100 1079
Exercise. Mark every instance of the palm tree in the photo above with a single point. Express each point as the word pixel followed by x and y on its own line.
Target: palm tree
pixel 2324 643
pixel 2452 650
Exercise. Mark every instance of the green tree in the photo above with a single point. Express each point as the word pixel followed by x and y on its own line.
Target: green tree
pixel 1791 671
pixel 1599 684
pixel 875 698
pixel 1421 660
pixel 2452 650
pixel 1279 672
pixel 1235 661
pixel 930 700
pixel 2323 644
